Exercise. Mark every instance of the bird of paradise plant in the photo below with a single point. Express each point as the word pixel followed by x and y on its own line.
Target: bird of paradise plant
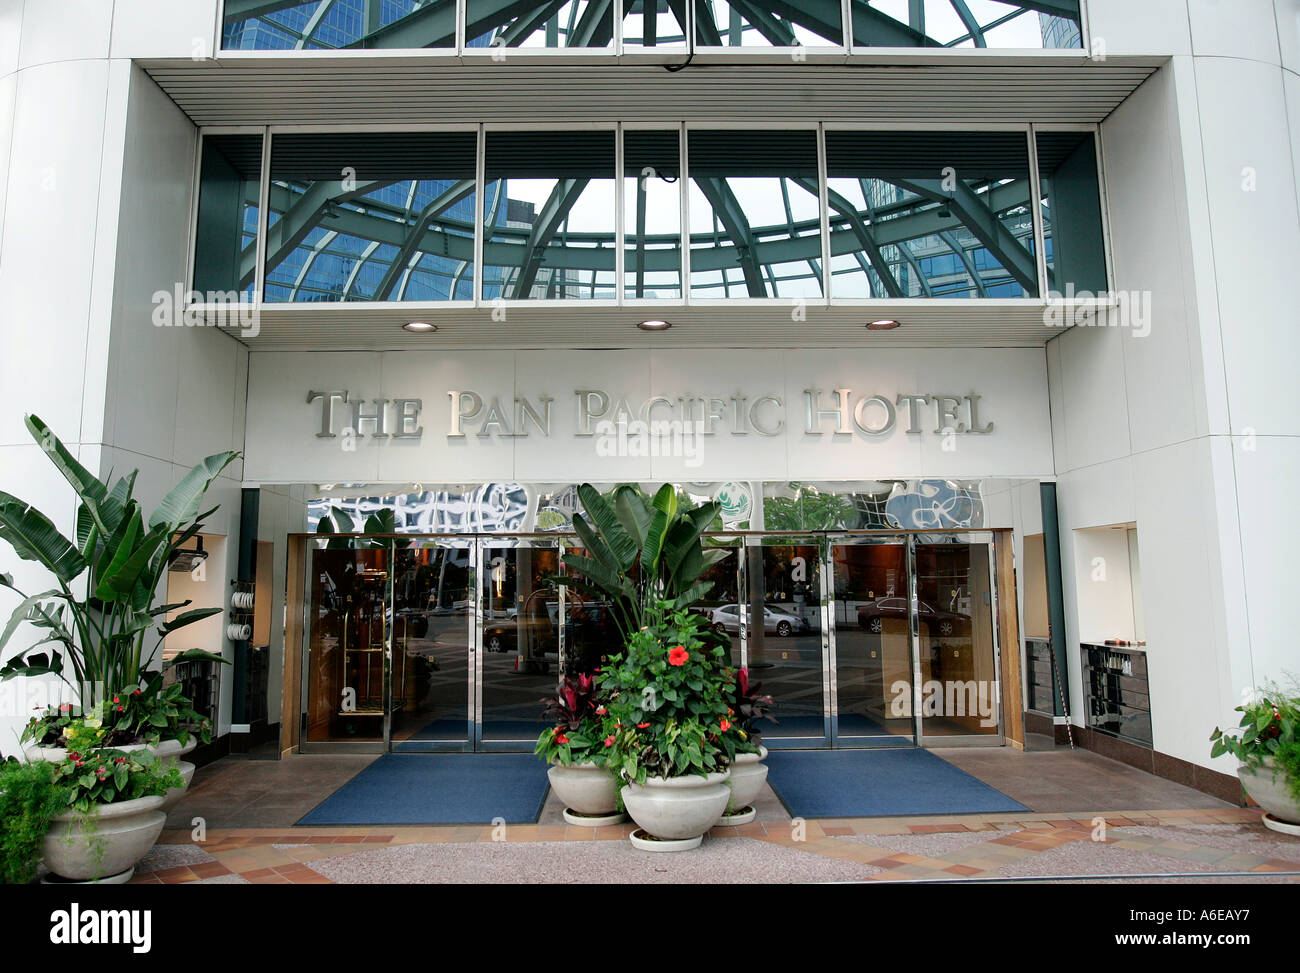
pixel 98 619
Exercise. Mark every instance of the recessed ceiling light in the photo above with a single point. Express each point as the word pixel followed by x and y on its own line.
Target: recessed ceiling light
pixel 884 324
pixel 419 327
pixel 654 325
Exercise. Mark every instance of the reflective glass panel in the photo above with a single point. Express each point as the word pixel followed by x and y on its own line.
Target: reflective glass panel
pixel 955 618
pixel 1071 204
pixel 966 23
pixel 785 645
pixel 225 245
pixel 652 215
pixel 346 625
pixel 745 24
pixel 576 24
pixel 432 596
pixel 548 210
pixel 332 24
pixel 873 648
pixel 930 214
pixel 371 217
pixel 520 623
pixel 654 24
pixel 755 226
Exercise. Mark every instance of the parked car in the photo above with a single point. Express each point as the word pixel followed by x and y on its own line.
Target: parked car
pixel 871 617
pixel 776 620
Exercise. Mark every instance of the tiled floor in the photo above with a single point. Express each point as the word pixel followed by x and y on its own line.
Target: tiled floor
pixel 1184 843
pixel 1149 827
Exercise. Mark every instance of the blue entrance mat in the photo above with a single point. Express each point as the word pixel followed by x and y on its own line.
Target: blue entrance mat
pixel 438 788
pixel 877 784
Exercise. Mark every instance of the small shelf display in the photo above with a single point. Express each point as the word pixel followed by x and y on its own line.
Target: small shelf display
pixel 1039 680
pixel 1116 691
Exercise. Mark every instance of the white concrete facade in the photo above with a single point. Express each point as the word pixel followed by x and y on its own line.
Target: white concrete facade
pixel 1186 432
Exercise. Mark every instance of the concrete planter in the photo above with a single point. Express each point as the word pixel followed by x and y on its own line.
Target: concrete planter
pixel 111 841
pixel 1271 793
pixel 677 809
pixel 167 752
pixel 748 773
pixel 589 794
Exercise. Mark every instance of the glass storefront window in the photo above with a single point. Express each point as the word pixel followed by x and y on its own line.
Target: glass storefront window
pixel 371 217
pixel 966 23
pixel 575 24
pixel 548 216
pixel 258 25
pixel 654 25
pixel 1071 206
pixel 930 214
pixel 755 227
pixel 744 24
pixel 652 215
pixel 225 245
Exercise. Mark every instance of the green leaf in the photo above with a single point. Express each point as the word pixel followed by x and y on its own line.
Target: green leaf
pixel 188 618
pixel 193 655
pixel 34 537
pixel 181 505
pixel 620 542
pixel 121 579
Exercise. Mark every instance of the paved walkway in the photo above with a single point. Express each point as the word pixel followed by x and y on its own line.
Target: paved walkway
pixel 1167 834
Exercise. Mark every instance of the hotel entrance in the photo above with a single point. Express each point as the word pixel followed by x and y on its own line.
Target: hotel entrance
pixel 423 644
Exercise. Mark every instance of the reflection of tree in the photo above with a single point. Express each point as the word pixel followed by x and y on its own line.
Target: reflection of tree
pixel 810 510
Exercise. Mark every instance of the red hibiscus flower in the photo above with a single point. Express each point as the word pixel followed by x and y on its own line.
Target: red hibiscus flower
pixel 609 740
pixel 678 656
pixel 725 725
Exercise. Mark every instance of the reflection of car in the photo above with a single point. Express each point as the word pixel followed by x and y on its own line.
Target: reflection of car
pixel 872 615
pixel 783 623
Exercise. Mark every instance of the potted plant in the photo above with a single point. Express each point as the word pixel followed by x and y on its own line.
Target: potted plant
pixel 748 772
pixel 670 743
pixel 1269 751
pixel 157 718
pixel 113 814
pixel 577 750
pixel 99 642
pixel 29 801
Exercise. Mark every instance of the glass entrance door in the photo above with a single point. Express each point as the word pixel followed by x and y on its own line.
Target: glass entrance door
pixel 871 646
pixel 955 636
pixel 784 635
pixel 433 637
pixel 522 620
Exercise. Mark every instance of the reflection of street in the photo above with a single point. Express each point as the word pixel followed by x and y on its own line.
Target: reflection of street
pixel 790 670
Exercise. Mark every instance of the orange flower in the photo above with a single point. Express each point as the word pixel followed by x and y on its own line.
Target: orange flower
pixel 678 656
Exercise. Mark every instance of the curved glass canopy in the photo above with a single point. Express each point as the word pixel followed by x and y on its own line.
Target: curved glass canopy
pixel 391 216
pixel 647 24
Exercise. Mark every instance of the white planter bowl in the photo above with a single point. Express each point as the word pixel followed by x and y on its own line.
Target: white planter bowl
pixel 167 752
pixel 1269 792
pixel 586 790
pixel 748 773
pixel 116 837
pixel 677 808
